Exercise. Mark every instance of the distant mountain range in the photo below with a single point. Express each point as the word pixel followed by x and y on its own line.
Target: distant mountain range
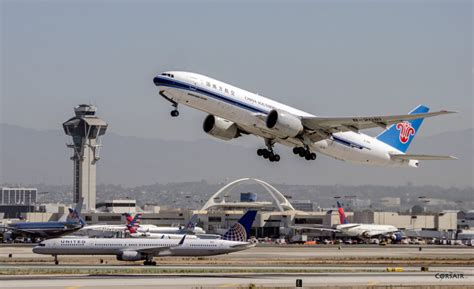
pixel 32 156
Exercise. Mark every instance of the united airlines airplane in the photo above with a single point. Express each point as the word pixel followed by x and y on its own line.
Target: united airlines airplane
pixel 233 112
pixel 135 249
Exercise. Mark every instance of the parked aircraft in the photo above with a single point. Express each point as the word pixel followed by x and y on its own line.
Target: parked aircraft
pixel 104 230
pixel 45 230
pixel 362 231
pixel 189 228
pixel 234 112
pixel 134 249
pixel 365 231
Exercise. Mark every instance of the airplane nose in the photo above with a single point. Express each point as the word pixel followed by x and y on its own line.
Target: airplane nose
pixel 156 80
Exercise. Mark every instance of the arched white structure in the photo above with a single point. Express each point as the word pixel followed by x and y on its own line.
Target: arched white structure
pixel 278 198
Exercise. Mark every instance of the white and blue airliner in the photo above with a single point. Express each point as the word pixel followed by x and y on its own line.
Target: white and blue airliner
pixel 233 112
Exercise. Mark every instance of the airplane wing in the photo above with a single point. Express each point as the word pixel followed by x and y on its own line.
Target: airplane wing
pixel 323 229
pixel 421 157
pixel 156 250
pixel 329 125
pixel 379 233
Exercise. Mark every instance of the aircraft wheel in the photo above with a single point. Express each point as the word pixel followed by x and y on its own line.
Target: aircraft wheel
pixel 56 262
pixel 174 113
pixel 296 150
pixel 260 152
pixel 153 263
pixel 277 158
pixel 302 153
pixel 266 154
pixel 313 156
pixel 307 157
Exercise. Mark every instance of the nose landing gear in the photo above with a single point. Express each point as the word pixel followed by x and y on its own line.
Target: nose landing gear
pixel 304 152
pixel 174 112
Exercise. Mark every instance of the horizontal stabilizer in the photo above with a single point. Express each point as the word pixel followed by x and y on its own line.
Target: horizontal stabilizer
pixel 421 157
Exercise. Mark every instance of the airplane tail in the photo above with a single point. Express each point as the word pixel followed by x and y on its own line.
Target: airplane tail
pixel 240 231
pixel 189 228
pixel 401 134
pixel 133 225
pixel 342 215
pixel 75 213
pixel 128 218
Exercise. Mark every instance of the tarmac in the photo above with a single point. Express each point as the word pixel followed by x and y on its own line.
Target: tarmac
pixel 263 266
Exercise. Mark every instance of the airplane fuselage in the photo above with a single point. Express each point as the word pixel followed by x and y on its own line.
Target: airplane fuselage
pixel 366 230
pixel 249 110
pixel 116 246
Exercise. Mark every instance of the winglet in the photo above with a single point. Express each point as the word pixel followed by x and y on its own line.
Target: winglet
pixel 181 242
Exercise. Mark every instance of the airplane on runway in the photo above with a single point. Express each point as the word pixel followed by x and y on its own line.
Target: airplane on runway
pixel 361 231
pixel 234 112
pixel 135 249
pixel 73 222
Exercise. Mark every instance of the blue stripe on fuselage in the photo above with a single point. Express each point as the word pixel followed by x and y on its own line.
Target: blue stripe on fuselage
pixel 161 81
pixel 348 143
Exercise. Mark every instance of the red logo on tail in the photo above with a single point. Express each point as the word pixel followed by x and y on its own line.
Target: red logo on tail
pixel 406 130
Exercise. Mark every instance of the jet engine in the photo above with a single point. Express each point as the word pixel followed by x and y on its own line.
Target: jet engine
pixel 130 256
pixel 286 124
pixel 396 237
pixel 220 128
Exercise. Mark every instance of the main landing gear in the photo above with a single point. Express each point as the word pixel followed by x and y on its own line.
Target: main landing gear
pixel 149 262
pixel 268 153
pixel 56 262
pixel 304 153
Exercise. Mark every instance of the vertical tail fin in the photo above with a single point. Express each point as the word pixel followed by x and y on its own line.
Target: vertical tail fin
pixel 189 228
pixel 342 215
pixel 75 214
pixel 401 134
pixel 133 225
pixel 128 218
pixel 240 231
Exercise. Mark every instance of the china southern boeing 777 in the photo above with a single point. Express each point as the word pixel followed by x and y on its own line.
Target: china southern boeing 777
pixel 234 112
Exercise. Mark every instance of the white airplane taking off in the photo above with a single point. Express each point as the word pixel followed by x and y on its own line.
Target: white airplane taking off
pixel 234 112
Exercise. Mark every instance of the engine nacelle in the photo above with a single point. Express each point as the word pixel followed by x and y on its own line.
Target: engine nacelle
pixel 130 256
pixel 220 128
pixel 396 237
pixel 286 124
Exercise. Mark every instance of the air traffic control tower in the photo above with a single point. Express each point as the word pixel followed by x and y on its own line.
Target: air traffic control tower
pixel 86 129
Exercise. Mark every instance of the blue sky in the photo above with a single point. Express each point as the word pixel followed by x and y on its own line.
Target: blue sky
pixel 330 58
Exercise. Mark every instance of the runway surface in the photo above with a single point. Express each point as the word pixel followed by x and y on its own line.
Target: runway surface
pixel 237 280
pixel 291 252
pixel 268 266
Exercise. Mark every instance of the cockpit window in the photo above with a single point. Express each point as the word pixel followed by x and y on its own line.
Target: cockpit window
pixel 41 244
pixel 168 74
